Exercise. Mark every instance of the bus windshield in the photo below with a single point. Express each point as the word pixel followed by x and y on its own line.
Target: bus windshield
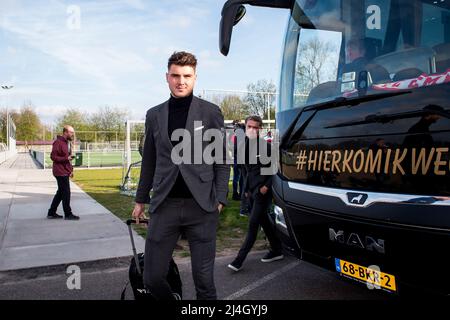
pixel 350 48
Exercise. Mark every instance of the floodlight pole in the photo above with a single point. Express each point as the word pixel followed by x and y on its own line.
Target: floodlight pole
pixel 128 144
pixel 7 118
pixel 268 108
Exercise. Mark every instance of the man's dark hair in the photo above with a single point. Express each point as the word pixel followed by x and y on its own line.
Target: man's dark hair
pixel 254 118
pixel 182 58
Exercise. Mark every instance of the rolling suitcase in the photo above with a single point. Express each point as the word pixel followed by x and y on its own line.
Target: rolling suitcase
pixel 135 274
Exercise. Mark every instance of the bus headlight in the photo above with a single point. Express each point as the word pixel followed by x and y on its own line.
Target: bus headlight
pixel 279 217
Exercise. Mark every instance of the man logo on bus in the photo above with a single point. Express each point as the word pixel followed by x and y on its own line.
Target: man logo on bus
pixel 356 198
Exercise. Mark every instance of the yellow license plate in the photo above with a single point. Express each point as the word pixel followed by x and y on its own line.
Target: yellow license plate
pixel 372 276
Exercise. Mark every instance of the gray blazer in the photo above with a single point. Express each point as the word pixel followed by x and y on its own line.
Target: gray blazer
pixel 208 183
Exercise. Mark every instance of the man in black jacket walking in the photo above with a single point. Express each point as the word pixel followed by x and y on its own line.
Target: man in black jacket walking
pixel 258 189
pixel 188 196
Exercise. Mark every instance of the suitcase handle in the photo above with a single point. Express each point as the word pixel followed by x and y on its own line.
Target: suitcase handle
pixel 131 221
pixel 133 246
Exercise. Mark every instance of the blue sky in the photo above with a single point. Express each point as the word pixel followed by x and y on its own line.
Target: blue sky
pixel 118 55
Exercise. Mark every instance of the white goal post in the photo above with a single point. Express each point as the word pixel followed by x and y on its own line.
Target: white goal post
pixel 128 145
pixel 128 150
pixel 130 170
pixel 10 133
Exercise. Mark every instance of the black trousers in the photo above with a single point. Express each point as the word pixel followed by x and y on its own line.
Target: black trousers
pixel 63 194
pixel 258 217
pixel 173 217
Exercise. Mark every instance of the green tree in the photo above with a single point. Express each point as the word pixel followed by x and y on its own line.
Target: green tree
pixel 272 114
pixel 233 108
pixel 77 119
pixel 47 132
pixel 28 124
pixel 3 126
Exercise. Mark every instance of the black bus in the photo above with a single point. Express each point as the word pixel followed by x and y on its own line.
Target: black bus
pixel 363 186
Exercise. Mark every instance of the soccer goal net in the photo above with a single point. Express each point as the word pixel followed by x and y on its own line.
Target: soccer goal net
pixel 133 144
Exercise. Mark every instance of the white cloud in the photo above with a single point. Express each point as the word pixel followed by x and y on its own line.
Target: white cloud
pixel 11 50
pixel 179 22
pixel 209 60
pixel 119 55
pixel 136 4
pixel 248 20
pixel 89 52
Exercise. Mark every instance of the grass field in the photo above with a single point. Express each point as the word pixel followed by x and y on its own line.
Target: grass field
pixel 103 186
pixel 100 158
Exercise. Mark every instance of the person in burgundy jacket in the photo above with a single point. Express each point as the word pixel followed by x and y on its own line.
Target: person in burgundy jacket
pixel 62 170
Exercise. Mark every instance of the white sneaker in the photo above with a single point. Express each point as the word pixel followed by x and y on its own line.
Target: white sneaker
pixel 234 268
pixel 270 256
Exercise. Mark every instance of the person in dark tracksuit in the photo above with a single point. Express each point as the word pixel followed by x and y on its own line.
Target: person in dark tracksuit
pixel 258 189
pixel 62 170
pixel 187 197
pixel 237 176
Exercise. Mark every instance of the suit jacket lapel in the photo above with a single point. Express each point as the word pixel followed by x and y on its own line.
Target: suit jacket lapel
pixel 194 130
pixel 194 114
pixel 163 123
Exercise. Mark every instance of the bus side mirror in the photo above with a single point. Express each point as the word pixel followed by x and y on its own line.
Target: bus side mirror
pixel 239 15
pixel 232 13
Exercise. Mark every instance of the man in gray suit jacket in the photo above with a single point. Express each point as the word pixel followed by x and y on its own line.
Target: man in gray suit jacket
pixel 188 196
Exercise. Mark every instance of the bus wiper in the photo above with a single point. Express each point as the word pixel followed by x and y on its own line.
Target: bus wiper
pixel 290 137
pixel 338 102
pixel 377 118
pixel 343 101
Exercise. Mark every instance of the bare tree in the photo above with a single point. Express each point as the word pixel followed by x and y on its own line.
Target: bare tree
pixel 311 69
pixel 109 119
pixel 261 95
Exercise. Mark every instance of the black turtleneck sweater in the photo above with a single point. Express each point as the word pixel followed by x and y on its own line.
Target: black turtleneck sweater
pixel 178 112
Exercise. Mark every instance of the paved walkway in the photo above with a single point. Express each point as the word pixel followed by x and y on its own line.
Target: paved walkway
pixel 28 239
pixel 20 161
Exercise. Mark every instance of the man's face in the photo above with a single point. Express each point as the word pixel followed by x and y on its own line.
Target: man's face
pixel 353 53
pixel 252 129
pixel 181 80
pixel 69 134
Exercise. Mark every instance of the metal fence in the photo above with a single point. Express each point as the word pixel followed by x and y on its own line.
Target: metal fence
pixel 89 159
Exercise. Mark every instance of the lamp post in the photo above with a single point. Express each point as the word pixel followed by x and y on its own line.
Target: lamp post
pixel 7 117
pixel 268 108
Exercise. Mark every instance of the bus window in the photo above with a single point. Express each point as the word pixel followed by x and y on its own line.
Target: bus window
pixel 316 65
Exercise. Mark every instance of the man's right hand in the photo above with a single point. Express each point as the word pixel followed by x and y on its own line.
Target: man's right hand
pixel 139 212
pixel 71 158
